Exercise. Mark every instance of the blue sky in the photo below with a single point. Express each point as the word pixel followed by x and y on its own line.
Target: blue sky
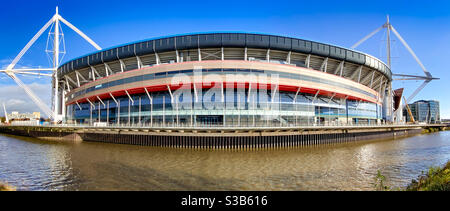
pixel 424 25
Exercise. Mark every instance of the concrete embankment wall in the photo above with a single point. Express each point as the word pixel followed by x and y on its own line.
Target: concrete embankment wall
pixel 236 142
pixel 44 133
pixel 209 139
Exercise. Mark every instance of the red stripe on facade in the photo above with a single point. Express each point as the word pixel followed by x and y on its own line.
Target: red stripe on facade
pixel 209 61
pixel 163 87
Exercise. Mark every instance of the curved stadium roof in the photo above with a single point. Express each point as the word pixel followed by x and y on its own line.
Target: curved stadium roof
pixel 218 40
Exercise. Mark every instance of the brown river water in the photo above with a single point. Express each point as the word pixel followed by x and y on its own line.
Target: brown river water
pixel 31 164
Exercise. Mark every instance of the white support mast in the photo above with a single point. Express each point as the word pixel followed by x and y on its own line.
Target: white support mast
pixel 387 25
pixel 427 78
pixel 6 114
pixel 367 37
pixel 57 101
pixel 56 115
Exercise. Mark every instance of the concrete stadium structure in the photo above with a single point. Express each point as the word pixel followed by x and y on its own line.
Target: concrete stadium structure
pixel 225 80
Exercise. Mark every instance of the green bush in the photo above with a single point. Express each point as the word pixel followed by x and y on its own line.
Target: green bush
pixel 436 179
pixel 379 182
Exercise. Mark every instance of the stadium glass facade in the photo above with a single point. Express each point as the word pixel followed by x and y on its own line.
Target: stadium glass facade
pixel 284 112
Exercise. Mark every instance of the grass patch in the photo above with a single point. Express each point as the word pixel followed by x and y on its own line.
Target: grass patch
pixel 432 130
pixel 436 179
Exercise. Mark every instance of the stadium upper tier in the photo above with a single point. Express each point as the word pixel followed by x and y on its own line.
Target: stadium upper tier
pixel 347 63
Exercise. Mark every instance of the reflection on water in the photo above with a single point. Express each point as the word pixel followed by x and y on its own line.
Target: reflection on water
pixel 31 164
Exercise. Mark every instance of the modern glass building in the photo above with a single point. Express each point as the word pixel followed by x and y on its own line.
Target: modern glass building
pixel 225 79
pixel 424 111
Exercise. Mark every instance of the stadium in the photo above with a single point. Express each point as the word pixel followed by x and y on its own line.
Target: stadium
pixel 224 80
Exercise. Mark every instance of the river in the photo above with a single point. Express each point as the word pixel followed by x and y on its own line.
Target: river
pixel 31 164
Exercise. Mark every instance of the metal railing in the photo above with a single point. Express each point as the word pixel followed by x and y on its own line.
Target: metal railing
pixel 216 126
